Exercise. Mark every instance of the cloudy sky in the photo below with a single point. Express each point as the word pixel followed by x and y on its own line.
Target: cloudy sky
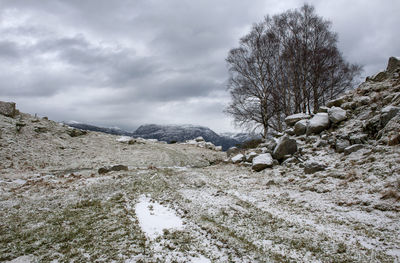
pixel 130 62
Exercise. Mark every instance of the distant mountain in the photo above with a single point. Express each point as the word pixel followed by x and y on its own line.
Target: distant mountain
pixel 173 133
pixel 181 133
pixel 88 127
pixel 241 137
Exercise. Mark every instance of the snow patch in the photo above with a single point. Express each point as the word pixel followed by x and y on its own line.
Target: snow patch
pixel 154 217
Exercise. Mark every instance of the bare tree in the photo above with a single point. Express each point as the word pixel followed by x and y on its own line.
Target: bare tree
pixel 288 63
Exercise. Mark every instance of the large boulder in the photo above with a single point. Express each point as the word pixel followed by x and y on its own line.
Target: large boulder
pixel 292 119
pixel 285 146
pixel 300 127
pixel 7 109
pixel 336 114
pixel 318 123
pixel 262 161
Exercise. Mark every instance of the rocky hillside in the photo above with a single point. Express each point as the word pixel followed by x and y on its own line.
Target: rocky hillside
pixel 327 190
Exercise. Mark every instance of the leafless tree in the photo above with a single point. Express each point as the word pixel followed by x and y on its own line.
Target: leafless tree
pixel 288 63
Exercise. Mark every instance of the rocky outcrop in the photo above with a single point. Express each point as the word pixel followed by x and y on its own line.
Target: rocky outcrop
pixel 8 109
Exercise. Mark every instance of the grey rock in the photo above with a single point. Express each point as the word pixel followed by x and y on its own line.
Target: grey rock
pixel 358 138
pixel 262 161
pixel 7 109
pixel 323 109
pixel 349 105
pixel 250 156
pixel 336 114
pixel 119 167
pixel 336 102
pixel 238 158
pixel 292 119
pixel 270 144
pixel 218 148
pixel 300 127
pixel 393 65
pixel 312 167
pixel 289 131
pixel 341 145
pixel 353 148
pixel 388 113
pixel 362 100
pixel 381 76
pixel 318 123
pixel 77 132
pixel 199 139
pixel 285 146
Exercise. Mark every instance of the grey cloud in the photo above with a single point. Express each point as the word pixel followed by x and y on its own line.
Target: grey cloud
pixel 125 63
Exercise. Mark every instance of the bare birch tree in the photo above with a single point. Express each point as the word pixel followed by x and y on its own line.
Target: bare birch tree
pixel 288 63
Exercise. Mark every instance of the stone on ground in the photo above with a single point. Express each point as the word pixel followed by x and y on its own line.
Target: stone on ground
pixel 336 114
pixel 318 123
pixel 238 158
pixel 285 146
pixel 262 161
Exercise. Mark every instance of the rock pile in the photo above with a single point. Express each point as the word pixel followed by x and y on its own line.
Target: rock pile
pixel 366 116
pixel 200 142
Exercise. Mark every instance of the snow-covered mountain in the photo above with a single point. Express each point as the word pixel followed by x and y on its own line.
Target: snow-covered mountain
pixel 88 127
pixel 180 133
pixel 241 137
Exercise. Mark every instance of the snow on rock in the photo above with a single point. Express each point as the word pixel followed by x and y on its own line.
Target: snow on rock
pixel 318 123
pixel 336 102
pixel 125 139
pixel 292 119
pixel 154 217
pixel 199 139
pixel 23 259
pixel 262 161
pixel 238 158
pixel 353 148
pixel 336 114
pixel 250 156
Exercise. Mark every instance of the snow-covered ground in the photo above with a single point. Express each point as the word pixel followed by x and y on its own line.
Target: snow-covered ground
pixel 181 203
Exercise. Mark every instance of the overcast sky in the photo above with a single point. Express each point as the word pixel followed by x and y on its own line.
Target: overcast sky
pixel 130 62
